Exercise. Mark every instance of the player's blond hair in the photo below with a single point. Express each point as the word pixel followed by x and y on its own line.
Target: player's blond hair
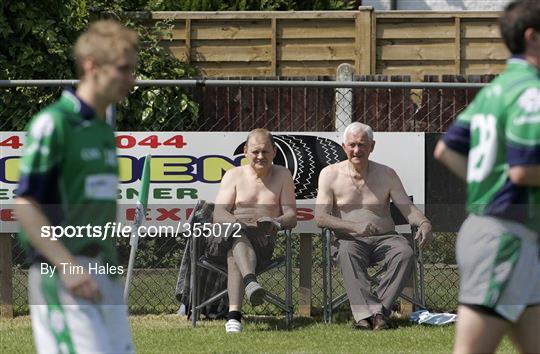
pixel 104 41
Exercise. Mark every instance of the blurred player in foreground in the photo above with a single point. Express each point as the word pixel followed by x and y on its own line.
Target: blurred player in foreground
pixel 69 177
pixel 495 146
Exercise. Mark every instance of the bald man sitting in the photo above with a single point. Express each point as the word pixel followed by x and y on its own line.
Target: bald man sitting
pixel 354 201
pixel 260 196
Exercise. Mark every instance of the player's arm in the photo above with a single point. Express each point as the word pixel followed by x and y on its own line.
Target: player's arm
pixel 287 220
pixel 453 149
pixel 525 175
pixel 454 161
pixel 413 215
pixel 325 204
pixel 225 199
pixel 33 220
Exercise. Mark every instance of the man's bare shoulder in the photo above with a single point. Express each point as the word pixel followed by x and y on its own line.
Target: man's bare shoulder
pixel 232 174
pixel 382 171
pixel 333 170
pixel 281 172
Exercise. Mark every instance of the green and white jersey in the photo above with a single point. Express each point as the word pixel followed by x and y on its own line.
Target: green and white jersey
pixel 498 130
pixel 70 168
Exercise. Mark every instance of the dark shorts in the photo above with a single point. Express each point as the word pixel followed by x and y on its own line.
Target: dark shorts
pixel 217 247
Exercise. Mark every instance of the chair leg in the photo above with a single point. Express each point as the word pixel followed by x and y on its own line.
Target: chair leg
pixel 421 280
pixel 418 274
pixel 327 242
pixel 288 278
pixel 325 300
pixel 193 282
pixel 415 294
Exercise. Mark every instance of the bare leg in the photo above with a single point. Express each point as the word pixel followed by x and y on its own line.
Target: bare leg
pixel 235 285
pixel 477 332
pixel 244 255
pixel 526 332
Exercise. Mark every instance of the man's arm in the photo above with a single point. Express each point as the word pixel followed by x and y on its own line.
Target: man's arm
pixel 225 199
pixel 325 204
pixel 456 162
pixel 525 175
pixel 32 219
pixel 288 203
pixel 413 215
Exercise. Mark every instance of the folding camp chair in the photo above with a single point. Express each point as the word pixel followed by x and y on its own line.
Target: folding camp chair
pixel 202 262
pixel 417 299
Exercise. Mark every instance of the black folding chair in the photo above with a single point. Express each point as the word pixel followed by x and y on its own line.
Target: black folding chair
pixel 202 262
pixel 330 304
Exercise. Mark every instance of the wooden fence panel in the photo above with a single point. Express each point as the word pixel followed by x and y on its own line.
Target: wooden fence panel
pixel 307 43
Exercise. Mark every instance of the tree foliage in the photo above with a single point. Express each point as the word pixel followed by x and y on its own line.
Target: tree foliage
pixel 37 38
pixel 35 46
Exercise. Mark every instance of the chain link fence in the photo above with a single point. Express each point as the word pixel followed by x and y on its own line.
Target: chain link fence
pixel 387 104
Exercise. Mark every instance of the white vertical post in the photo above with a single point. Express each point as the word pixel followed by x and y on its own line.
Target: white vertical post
pixel 344 97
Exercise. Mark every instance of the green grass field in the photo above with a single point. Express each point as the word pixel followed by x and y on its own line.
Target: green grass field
pixel 152 291
pixel 171 334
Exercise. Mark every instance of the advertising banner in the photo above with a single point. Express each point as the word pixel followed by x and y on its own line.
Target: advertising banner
pixel 188 166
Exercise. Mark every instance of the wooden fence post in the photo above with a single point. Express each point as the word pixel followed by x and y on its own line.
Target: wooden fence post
pixel 6 282
pixel 306 260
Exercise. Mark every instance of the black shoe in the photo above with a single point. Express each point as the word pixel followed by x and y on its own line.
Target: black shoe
pixel 362 324
pixel 378 321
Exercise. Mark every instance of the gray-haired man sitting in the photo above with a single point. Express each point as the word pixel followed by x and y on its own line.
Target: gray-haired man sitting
pixel 354 201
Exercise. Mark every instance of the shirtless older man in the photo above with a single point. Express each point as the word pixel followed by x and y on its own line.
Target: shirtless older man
pixel 261 197
pixel 354 201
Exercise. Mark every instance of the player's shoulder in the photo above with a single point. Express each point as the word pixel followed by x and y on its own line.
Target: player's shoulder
pixel 518 85
pixel 50 119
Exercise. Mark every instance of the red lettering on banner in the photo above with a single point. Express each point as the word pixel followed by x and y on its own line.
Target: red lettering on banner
pixel 168 214
pixel 304 214
pixel 130 214
pixel 13 142
pixel 7 215
pixel 152 141
pixel 188 212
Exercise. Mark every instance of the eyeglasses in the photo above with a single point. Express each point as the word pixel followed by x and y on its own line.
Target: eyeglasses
pixel 126 69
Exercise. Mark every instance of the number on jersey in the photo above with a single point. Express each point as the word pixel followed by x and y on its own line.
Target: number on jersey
pixel 482 156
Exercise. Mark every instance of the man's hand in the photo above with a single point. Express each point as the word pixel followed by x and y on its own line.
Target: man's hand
pixel 424 234
pixel 365 229
pixel 82 285
pixel 268 226
pixel 247 221
pixel 267 223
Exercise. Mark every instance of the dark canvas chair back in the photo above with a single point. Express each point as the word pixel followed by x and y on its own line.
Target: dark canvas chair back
pixel 398 218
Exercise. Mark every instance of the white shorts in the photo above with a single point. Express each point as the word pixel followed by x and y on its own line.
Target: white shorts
pixel 499 265
pixel 63 323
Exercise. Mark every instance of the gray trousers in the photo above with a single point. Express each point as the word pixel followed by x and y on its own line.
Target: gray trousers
pixel 355 255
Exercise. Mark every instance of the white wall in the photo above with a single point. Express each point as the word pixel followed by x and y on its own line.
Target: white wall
pixel 439 5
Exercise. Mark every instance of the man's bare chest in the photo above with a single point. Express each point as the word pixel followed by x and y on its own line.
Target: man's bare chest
pixel 360 192
pixel 257 193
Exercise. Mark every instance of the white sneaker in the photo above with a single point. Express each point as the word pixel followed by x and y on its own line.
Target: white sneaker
pixel 233 326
